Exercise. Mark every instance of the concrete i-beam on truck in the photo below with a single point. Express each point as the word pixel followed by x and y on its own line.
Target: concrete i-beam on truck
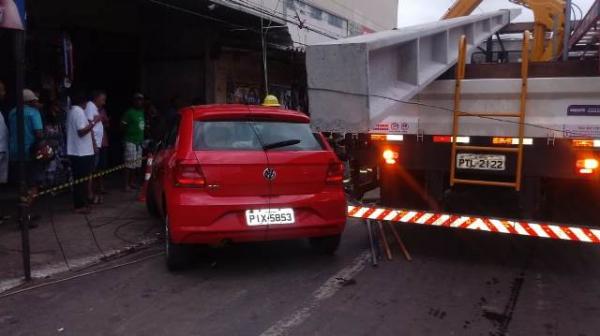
pixel 434 111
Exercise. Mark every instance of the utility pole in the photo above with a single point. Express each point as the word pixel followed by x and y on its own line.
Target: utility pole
pixel 23 192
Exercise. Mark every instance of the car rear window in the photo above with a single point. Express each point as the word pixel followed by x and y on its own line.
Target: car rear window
pixel 253 135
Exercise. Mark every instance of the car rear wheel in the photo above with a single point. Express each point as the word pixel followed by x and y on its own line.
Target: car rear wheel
pixel 151 202
pixel 175 253
pixel 325 245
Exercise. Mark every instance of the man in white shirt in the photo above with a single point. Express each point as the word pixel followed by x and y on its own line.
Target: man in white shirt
pixel 92 110
pixel 80 149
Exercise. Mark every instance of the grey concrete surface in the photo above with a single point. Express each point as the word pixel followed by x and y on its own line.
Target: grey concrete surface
pixel 459 283
pixel 117 224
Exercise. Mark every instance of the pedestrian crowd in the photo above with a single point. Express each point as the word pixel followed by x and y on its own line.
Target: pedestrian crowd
pixel 68 141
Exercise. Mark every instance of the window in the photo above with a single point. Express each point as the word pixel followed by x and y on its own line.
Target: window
pixel 252 135
pixel 316 13
pixel 335 21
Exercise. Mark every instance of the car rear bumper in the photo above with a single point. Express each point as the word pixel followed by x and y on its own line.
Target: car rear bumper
pixel 216 221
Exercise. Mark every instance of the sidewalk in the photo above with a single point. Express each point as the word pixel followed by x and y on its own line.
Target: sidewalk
pixel 64 240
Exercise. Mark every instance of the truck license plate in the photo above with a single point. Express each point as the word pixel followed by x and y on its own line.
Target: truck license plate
pixel 258 217
pixel 480 161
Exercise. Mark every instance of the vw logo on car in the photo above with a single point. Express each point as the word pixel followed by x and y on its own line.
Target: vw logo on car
pixel 270 174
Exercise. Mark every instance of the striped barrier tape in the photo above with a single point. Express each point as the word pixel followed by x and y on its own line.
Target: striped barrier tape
pixel 81 180
pixel 522 228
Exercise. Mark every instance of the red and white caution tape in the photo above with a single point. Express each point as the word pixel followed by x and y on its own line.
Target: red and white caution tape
pixel 551 231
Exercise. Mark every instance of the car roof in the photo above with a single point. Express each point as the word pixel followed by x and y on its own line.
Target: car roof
pixel 250 112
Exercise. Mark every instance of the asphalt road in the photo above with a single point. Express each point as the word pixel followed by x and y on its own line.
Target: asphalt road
pixel 459 283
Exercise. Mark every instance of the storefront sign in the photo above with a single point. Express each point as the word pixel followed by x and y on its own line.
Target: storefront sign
pixel 584 110
pixel 12 14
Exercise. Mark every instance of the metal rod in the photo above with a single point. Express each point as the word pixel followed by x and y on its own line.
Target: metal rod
pixel 523 108
pixel 460 74
pixel 388 252
pixel 567 32
pixel 488 149
pixel 371 243
pixel 399 241
pixel 486 183
pixel 23 192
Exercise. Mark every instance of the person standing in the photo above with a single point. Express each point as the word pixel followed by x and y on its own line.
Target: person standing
pixel 33 133
pixel 134 125
pixel 92 111
pixel 80 149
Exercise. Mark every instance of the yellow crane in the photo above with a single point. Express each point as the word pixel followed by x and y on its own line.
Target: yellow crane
pixel 549 17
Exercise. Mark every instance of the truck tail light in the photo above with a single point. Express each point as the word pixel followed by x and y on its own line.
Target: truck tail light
pixel 586 143
pixel 390 156
pixel 378 137
pixel 188 174
pixel 587 166
pixel 335 173
pixel 511 141
pixel 449 139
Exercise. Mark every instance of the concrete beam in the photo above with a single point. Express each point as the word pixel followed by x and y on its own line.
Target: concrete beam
pixel 351 80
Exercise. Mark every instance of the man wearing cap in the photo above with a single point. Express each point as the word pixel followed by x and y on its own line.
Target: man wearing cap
pixel 32 132
pixel 134 124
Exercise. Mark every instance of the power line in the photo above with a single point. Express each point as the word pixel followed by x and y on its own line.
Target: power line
pixel 285 19
pixel 359 14
pixel 214 19
pixel 448 110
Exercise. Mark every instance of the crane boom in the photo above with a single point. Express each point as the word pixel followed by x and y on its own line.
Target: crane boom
pixel 549 17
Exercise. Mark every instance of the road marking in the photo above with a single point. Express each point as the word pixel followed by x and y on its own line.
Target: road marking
pixel 327 290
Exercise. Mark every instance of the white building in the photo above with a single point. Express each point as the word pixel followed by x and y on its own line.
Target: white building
pixel 310 21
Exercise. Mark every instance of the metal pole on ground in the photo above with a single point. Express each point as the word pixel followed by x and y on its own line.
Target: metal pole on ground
pixel 371 243
pixel 23 192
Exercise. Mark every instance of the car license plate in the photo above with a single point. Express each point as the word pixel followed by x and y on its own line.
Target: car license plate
pixel 258 217
pixel 480 161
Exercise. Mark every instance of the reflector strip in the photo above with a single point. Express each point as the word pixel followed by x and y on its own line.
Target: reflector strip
pixel 540 230
pixel 395 137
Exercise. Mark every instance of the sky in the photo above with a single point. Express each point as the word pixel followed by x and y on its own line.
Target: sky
pixel 411 12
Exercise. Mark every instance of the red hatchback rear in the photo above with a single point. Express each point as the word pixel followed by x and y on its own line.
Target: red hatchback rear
pixel 234 173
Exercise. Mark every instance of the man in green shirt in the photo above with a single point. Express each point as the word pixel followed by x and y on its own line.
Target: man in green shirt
pixel 134 124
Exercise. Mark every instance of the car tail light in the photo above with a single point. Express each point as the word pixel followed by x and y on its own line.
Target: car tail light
pixel 587 166
pixel 188 174
pixel 335 173
pixel 390 156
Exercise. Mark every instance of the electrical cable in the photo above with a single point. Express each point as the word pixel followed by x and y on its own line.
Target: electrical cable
pixel 447 110
pixel 359 14
pixel 60 245
pixel 299 25
pixel 89 225
pixel 212 18
pixel 46 284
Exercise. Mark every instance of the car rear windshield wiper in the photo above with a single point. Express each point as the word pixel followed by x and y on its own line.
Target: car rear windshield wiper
pixel 280 144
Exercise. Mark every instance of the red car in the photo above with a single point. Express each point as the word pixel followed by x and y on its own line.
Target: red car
pixel 237 173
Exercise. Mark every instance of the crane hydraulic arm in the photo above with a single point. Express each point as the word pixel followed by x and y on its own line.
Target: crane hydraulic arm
pixel 549 17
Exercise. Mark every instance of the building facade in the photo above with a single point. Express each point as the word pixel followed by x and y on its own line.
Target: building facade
pixel 311 21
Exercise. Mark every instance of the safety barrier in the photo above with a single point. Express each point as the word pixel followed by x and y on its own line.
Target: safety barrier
pixel 503 226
